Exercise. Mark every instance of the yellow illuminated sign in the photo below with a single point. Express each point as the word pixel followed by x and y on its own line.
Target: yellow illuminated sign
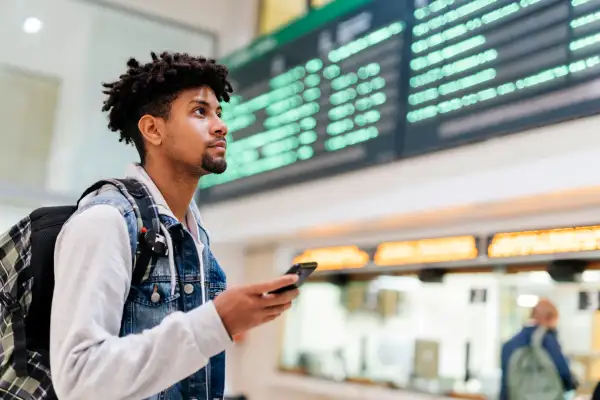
pixel 564 240
pixel 334 258
pixel 427 251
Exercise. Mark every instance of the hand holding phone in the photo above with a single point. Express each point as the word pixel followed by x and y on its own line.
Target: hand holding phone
pixel 303 271
pixel 244 307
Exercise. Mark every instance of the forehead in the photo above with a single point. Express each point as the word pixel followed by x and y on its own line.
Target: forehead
pixel 202 94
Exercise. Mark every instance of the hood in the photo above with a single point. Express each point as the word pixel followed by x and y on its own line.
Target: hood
pixel 193 218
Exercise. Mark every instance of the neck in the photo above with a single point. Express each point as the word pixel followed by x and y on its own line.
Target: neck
pixel 176 187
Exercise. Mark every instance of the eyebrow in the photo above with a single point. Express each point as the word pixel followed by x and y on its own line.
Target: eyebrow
pixel 205 103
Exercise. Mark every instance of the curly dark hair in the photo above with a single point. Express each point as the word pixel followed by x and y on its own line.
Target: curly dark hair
pixel 150 88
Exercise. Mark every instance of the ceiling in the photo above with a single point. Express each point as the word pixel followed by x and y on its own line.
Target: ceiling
pixel 233 21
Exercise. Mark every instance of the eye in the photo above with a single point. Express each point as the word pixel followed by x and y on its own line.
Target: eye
pixel 201 111
pixel 220 115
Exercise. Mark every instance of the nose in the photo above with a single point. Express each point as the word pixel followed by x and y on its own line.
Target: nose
pixel 219 128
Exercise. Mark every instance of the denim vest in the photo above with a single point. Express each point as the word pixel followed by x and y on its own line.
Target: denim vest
pixel 151 301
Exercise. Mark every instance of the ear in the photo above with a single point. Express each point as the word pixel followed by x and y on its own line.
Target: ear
pixel 152 129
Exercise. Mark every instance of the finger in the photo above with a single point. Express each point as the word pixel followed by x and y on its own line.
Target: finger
pixel 271 300
pixel 270 318
pixel 276 310
pixel 273 285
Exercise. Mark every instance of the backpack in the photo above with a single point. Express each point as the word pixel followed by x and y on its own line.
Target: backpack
pixel 532 375
pixel 27 285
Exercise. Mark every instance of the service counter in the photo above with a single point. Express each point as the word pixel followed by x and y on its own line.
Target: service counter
pixel 428 317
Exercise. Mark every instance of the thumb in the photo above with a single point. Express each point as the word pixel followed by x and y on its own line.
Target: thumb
pixel 275 284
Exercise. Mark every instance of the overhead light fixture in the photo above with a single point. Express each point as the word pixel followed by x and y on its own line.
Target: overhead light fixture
pixel 32 25
pixel 527 300
pixel 591 276
pixel 539 277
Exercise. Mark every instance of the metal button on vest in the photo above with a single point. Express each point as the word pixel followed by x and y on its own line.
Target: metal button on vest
pixel 155 297
pixel 188 289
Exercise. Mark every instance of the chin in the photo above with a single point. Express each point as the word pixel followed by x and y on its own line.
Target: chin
pixel 214 165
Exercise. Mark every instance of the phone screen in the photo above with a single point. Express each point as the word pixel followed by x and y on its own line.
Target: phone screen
pixel 303 270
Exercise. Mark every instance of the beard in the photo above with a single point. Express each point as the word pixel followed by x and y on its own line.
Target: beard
pixel 214 165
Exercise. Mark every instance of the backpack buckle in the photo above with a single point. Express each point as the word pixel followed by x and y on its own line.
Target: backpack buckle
pixel 156 242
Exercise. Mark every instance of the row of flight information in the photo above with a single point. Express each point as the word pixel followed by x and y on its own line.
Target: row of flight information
pixel 360 83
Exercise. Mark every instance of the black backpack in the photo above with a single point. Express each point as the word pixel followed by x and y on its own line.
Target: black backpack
pixel 27 285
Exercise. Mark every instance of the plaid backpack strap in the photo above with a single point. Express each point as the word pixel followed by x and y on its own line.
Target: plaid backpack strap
pixel 150 242
pixel 15 257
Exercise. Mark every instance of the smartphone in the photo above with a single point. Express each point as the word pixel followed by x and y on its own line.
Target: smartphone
pixel 303 270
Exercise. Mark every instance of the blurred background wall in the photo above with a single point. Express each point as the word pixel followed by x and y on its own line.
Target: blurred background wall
pixel 55 56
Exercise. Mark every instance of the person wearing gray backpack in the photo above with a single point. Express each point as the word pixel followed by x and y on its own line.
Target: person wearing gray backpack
pixel 533 364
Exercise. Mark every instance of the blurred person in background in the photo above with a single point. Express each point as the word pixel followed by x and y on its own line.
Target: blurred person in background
pixel 557 380
pixel 163 338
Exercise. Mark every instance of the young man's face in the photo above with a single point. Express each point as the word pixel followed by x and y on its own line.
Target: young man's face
pixel 195 133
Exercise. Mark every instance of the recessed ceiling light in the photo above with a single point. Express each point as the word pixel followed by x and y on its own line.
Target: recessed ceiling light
pixel 32 25
pixel 527 300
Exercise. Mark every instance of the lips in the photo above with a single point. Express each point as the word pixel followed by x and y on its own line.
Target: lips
pixel 221 144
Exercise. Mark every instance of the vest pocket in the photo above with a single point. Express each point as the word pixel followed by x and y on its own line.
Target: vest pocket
pixel 153 294
pixel 148 304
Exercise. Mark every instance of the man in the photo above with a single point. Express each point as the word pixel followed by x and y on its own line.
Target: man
pixel 544 314
pixel 163 338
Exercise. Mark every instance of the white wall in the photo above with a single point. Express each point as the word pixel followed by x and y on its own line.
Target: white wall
pixel 517 174
pixel 25 140
pixel 233 21
pixel 10 215
pixel 83 44
pixel 55 51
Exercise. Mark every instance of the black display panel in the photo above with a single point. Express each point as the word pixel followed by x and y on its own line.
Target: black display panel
pixel 480 68
pixel 327 102
pixel 384 80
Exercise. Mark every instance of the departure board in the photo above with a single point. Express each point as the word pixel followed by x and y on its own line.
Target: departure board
pixel 480 68
pixel 329 101
pixel 366 82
